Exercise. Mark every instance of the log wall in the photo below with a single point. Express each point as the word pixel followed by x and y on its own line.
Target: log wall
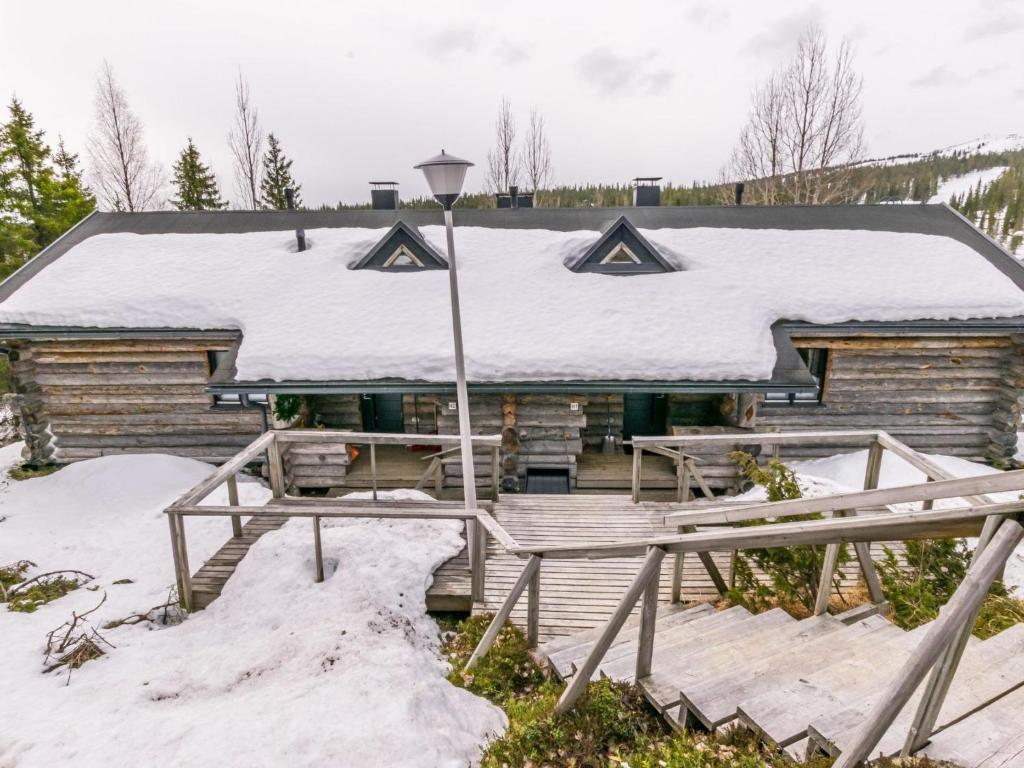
pixel 953 395
pixel 84 399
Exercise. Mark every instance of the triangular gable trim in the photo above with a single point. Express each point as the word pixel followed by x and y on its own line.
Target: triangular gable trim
pixel 599 257
pixel 401 241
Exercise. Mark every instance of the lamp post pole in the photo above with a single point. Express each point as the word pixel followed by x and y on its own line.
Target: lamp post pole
pixel 461 391
pixel 445 174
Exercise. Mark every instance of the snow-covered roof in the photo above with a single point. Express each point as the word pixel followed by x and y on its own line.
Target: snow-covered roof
pixel 526 316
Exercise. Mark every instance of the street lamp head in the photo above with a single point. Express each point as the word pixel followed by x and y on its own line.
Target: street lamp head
pixel 445 175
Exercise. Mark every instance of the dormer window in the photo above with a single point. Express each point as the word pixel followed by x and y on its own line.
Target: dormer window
pixel 402 249
pixel 622 250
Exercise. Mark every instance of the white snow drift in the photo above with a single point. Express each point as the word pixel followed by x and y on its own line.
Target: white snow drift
pixel 711 320
pixel 278 671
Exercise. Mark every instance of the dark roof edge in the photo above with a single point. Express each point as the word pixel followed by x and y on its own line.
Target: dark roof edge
pixel 486 387
pixel 1001 259
pixel 60 333
pixel 41 260
pixel 996 325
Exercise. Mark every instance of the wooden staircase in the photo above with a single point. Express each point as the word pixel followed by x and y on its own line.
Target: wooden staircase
pixel 804 686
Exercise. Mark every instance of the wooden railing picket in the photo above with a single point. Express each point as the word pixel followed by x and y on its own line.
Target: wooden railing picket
pixel 648 619
pixel 533 609
pixel 236 520
pixel 318 550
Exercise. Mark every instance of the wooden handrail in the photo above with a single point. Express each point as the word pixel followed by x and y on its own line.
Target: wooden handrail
pixel 379 438
pixel 876 497
pixel 756 438
pixel 915 524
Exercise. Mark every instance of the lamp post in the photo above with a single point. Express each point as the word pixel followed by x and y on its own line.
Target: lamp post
pixel 445 175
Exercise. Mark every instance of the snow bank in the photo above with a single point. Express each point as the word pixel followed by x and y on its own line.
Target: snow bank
pixel 845 472
pixel 710 321
pixel 278 671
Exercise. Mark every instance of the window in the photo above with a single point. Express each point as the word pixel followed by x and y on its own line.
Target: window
pixel 621 254
pixel 817 363
pixel 403 257
pixel 214 358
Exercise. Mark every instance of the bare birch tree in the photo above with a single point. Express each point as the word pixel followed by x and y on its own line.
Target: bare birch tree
pixel 503 161
pixel 246 142
pixel 120 170
pixel 805 128
pixel 537 153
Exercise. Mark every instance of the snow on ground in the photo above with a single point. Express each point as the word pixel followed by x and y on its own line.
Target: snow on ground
pixel 959 185
pixel 988 143
pixel 845 472
pixel 278 671
pixel 514 284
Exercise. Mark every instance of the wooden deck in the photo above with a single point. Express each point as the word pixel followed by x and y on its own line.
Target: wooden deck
pixel 579 594
pixel 575 594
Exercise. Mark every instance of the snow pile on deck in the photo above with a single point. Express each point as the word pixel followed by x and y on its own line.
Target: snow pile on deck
pixel 278 671
pixel 307 316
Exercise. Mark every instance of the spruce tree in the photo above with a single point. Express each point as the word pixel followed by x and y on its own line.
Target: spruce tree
pixel 195 183
pixel 25 171
pixel 277 177
pixel 72 199
pixel 41 195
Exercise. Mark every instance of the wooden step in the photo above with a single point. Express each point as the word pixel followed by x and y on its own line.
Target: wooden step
pixel 990 738
pixel 714 702
pixel 781 716
pixel 621 665
pixel 564 663
pixel 987 671
pixel 682 665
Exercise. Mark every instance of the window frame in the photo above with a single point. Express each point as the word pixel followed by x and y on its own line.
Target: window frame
pixel 818 361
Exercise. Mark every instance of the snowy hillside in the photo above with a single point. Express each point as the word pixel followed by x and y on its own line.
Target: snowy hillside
pixel 985 144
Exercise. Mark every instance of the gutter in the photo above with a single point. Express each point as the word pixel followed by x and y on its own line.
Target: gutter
pixel 245 402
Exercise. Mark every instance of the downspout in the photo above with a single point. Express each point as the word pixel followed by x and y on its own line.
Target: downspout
pixel 245 402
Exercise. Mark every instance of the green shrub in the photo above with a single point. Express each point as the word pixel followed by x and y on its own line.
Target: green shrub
pixel 29 471
pixel 287 407
pixel 608 719
pixel 13 574
pixel 507 669
pixel 793 572
pixel 933 569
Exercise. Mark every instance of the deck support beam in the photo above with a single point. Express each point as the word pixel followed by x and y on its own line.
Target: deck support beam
pixel 236 520
pixel 318 550
pixel 648 619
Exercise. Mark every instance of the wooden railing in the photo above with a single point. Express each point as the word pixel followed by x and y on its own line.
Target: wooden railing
pixel 451 444
pixel 940 651
pixel 268 447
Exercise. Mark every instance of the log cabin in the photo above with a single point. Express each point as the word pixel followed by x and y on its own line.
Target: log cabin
pixel 176 332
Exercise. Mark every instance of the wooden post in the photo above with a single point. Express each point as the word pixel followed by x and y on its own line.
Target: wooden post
pixel 495 472
pixel 874 466
pixel 708 562
pixel 478 560
pixel 648 622
pixel 373 468
pixel 179 579
pixel 960 608
pixel 491 634
pixel 533 610
pixel 828 569
pixel 318 551
pixel 942 673
pixel 637 452
pixel 236 520
pixel 181 560
pixel 677 574
pixel 650 569
pixel 683 476
pixel 275 468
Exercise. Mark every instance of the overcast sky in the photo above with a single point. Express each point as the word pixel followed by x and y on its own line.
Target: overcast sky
pixel 360 91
